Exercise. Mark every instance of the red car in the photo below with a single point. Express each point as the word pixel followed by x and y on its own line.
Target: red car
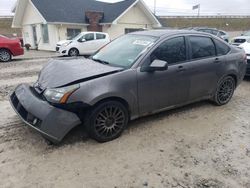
pixel 9 47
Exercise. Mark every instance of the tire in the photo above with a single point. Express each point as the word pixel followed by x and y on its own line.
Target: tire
pixel 5 55
pixel 106 121
pixel 225 90
pixel 73 52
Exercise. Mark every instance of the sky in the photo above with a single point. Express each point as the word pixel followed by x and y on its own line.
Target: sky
pixel 176 7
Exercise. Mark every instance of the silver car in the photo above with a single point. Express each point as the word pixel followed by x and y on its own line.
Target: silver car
pixel 137 74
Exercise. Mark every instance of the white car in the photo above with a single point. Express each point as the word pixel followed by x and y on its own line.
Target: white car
pixel 241 39
pixel 246 47
pixel 86 43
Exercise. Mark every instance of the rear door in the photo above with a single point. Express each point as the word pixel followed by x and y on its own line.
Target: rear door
pixel 203 66
pixel 101 40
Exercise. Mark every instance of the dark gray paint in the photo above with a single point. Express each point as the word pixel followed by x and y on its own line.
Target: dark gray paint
pixel 144 92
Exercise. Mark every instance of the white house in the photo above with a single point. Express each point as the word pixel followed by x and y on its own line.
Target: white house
pixel 45 22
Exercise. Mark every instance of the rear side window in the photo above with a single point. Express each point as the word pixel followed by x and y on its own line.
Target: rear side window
pixel 100 36
pixel 222 49
pixel 201 47
pixel 171 51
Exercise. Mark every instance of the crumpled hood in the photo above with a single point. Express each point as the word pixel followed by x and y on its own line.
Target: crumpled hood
pixel 58 73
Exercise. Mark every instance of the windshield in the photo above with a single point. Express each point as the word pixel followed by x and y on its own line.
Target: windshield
pixel 75 37
pixel 125 50
pixel 247 33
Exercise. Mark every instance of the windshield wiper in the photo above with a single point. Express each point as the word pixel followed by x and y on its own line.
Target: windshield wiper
pixel 101 61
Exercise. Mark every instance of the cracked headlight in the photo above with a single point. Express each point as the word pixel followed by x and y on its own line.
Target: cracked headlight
pixel 60 95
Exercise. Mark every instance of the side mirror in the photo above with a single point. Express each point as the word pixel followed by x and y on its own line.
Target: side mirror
pixel 156 65
pixel 81 40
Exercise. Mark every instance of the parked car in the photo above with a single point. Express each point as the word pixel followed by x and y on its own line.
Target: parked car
pixel 246 47
pixel 241 39
pixel 9 47
pixel 219 33
pixel 86 43
pixel 135 75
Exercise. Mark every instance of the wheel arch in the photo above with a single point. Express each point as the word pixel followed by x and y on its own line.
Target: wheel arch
pixel 4 48
pixel 234 77
pixel 73 48
pixel 114 98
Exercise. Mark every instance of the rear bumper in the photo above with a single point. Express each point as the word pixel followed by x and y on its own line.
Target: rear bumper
pixel 53 123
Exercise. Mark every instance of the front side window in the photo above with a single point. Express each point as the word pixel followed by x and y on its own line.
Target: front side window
pixel 172 51
pixel 45 33
pixel 89 36
pixel 125 50
pixel 201 47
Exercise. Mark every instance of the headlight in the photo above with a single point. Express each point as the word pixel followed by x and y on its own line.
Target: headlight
pixel 60 95
pixel 66 43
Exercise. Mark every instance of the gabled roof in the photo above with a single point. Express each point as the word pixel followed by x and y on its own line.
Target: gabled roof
pixel 73 11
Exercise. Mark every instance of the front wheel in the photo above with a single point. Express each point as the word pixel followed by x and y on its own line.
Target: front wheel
pixel 5 55
pixel 107 121
pixel 225 90
pixel 73 52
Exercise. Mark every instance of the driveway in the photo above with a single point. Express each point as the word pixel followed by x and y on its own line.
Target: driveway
pixel 199 145
pixel 35 54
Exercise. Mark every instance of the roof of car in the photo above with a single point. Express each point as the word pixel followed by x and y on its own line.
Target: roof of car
pixel 161 33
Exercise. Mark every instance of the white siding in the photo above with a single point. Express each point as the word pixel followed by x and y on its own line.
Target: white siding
pixel 135 18
pixel 62 30
pixel 31 16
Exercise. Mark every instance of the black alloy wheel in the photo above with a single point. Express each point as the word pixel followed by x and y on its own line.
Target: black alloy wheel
pixel 107 121
pixel 225 90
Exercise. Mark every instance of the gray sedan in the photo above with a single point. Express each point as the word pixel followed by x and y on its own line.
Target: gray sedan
pixel 135 75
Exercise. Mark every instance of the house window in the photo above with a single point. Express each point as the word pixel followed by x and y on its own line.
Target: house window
pixel 71 33
pixel 45 33
pixel 130 30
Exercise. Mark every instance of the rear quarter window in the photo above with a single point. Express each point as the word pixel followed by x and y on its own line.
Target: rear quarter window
pixel 221 48
pixel 100 36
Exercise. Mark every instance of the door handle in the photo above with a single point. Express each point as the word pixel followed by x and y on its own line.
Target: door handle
pixel 181 69
pixel 217 60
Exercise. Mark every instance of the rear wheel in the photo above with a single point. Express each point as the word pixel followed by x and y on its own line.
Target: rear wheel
pixel 73 52
pixel 225 90
pixel 5 55
pixel 107 121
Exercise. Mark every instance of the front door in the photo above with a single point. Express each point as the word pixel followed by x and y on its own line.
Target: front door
pixel 162 89
pixel 34 35
pixel 88 46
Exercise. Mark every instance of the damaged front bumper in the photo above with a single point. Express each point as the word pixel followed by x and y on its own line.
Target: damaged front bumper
pixel 53 123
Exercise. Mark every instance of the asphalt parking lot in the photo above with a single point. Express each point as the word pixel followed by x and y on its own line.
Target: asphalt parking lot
pixel 199 146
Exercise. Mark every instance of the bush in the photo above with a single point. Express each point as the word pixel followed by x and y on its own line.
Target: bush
pixel 27 46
